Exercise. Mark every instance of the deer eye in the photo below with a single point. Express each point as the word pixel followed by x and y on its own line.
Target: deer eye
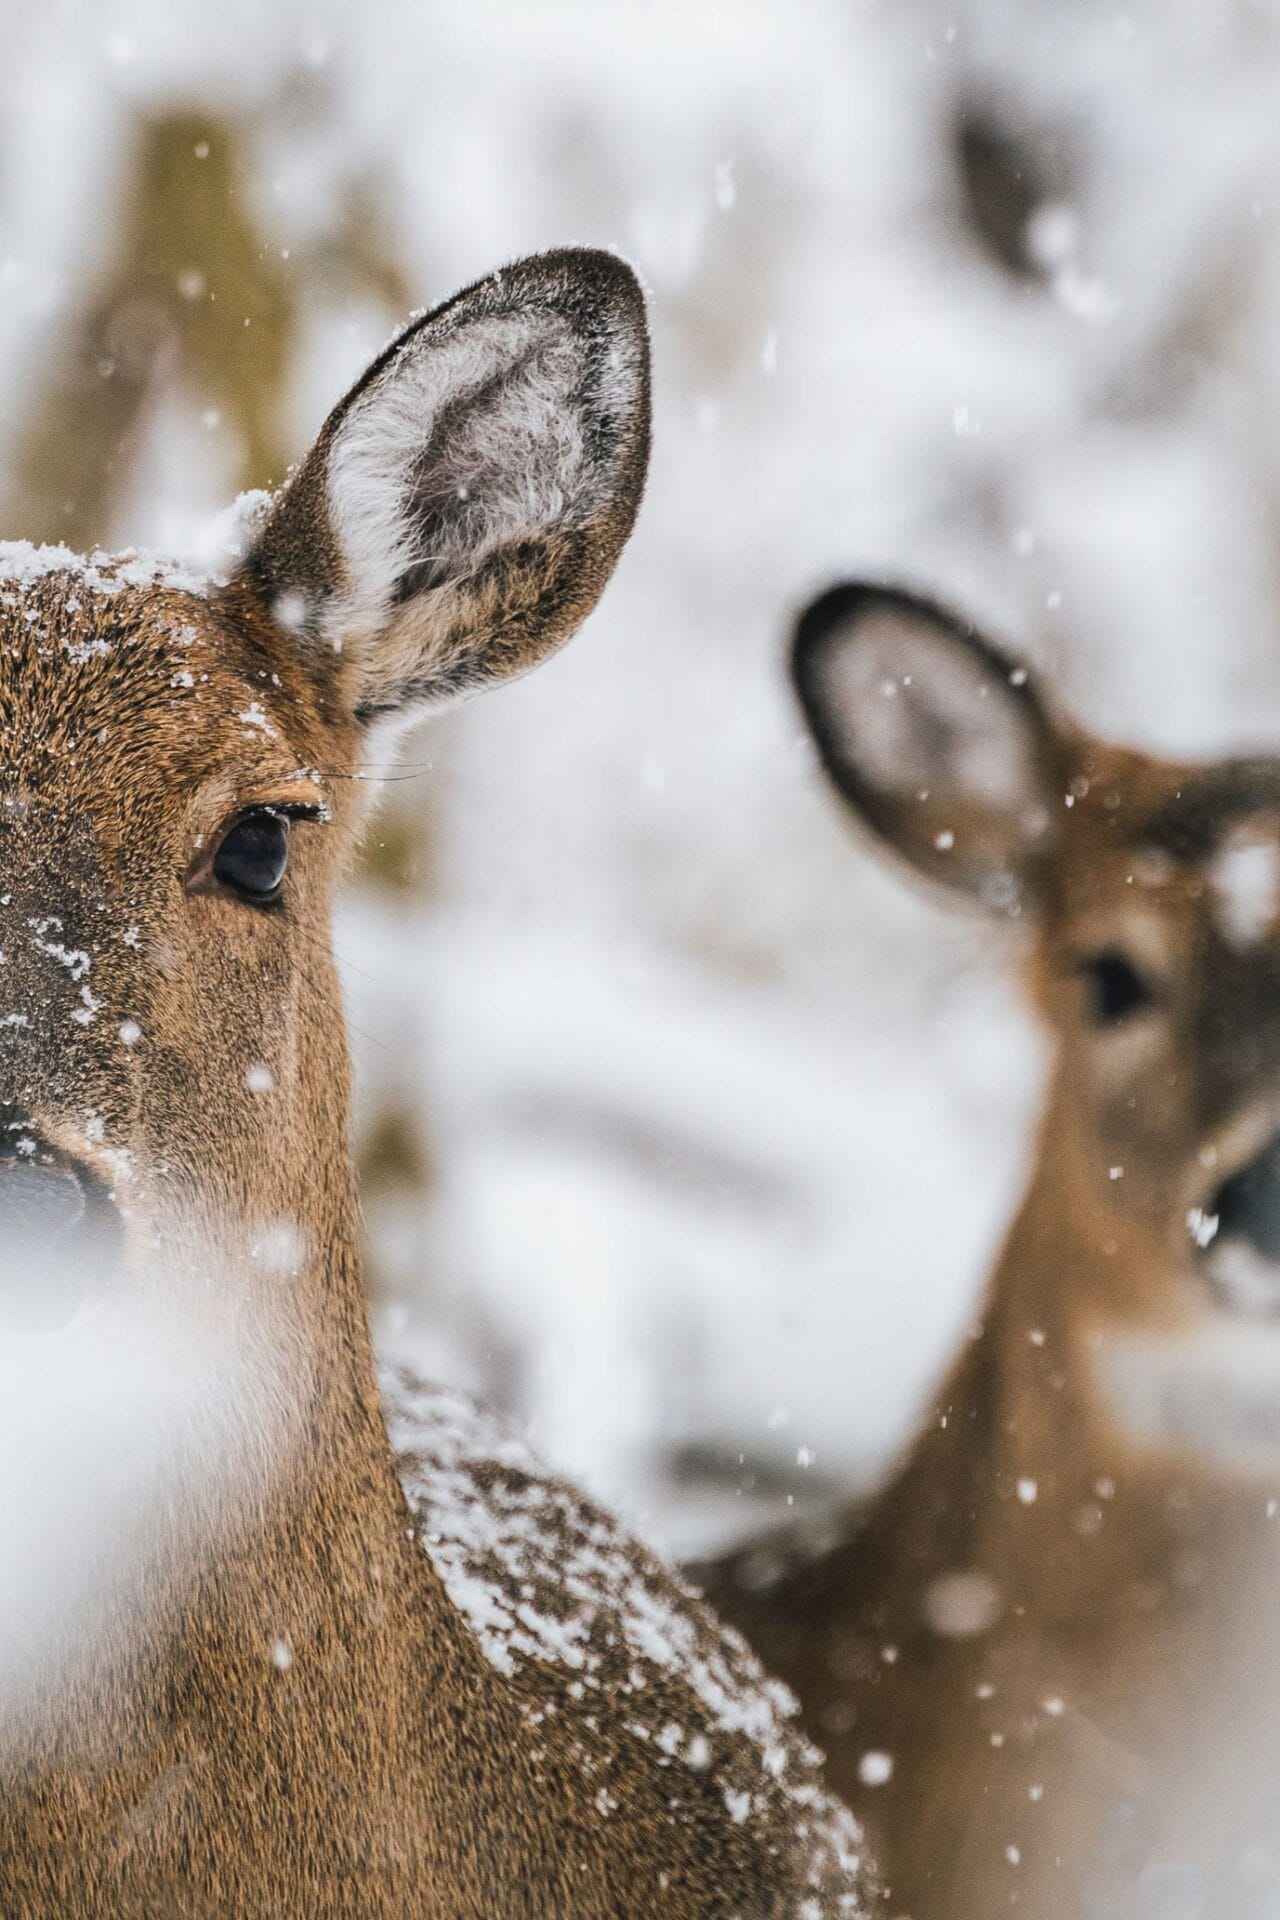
pixel 1114 990
pixel 253 855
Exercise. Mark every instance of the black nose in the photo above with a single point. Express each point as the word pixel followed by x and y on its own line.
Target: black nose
pixel 1248 1205
pixel 58 1227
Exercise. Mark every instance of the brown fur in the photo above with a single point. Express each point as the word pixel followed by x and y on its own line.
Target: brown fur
pixel 391 1769
pixel 1064 1759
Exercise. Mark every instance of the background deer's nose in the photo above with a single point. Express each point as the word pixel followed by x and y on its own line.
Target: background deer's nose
pixel 56 1228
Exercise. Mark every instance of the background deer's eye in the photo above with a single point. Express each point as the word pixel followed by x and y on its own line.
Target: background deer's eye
pixel 1114 990
pixel 253 856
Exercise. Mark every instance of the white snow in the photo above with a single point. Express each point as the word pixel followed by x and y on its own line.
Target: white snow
pixel 132 1426
pixel 1209 1394
pixel 961 1604
pixel 543 1577
pixel 22 564
pixel 1245 878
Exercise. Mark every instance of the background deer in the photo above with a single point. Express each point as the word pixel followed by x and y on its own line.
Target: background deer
pixel 1043 1663
pixel 432 1681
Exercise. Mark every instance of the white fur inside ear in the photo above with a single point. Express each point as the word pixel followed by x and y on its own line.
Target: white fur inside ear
pixel 913 712
pixel 463 444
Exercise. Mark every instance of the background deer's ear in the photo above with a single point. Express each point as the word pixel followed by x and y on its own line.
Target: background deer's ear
pixel 938 742
pixel 464 506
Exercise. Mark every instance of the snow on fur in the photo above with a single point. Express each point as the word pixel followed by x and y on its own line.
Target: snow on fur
pixel 546 1578
pixel 21 564
pixel 214 552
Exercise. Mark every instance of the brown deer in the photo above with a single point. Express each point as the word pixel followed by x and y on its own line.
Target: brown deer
pixel 420 1680
pixel 1031 1658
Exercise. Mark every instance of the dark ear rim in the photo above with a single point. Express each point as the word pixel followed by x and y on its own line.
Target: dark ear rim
pixel 850 601
pixel 604 300
pixel 605 275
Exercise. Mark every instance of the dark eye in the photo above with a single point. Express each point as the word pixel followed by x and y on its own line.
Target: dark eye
pixel 1114 990
pixel 253 855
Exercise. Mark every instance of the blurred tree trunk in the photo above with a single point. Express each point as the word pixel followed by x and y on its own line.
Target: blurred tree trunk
pixel 193 294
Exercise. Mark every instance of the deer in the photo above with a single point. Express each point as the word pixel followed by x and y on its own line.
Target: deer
pixel 394 1666
pixel 1030 1652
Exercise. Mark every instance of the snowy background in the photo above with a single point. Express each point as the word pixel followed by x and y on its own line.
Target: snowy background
pixel 687 1131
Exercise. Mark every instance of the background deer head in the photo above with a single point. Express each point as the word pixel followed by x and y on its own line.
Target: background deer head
pixel 1151 893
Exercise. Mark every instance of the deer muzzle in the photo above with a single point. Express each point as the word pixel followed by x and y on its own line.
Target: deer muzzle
pixel 1237 1234
pixel 59 1230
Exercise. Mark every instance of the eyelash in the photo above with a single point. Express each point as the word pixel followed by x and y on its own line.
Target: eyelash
pixel 202 876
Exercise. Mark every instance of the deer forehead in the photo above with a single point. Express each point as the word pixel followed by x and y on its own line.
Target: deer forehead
pixel 1151 846
pixel 121 697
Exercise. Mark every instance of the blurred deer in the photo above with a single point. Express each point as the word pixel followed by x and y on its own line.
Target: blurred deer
pixel 426 1679
pixel 1043 1663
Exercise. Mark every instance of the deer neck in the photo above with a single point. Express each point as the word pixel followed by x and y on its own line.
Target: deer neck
pixel 326 1545
pixel 1081 1513
pixel 335 1451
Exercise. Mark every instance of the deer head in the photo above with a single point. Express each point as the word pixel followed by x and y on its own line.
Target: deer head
pixel 180 783
pixel 1151 893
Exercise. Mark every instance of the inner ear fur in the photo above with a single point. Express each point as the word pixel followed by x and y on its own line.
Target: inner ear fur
pixel 463 507
pixel 936 738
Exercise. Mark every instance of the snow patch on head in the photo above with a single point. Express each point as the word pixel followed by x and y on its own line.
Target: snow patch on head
pixel 211 557
pixel 23 565
pixel 1245 880
pixel 221 542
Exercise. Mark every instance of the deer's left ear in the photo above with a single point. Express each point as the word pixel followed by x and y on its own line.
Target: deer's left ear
pixel 939 744
pixel 464 506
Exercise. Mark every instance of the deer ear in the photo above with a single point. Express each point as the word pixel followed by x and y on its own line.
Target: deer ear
pixel 938 742
pixel 465 504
